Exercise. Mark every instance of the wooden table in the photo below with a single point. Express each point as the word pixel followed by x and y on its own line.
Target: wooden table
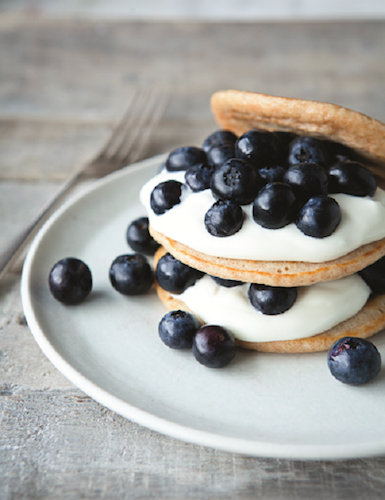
pixel 63 84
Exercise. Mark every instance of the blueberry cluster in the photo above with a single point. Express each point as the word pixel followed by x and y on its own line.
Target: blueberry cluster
pixel 287 178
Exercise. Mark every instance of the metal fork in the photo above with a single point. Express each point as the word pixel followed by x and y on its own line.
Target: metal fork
pixel 127 144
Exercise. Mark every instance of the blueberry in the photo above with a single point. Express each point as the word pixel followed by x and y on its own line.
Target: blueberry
pixel 319 217
pixel 271 300
pixel 307 180
pixel 275 206
pixel 70 281
pixel 220 153
pixel 177 329
pixel 165 196
pixel 274 173
pixel 131 274
pixel 224 218
pixel 214 346
pixel 352 178
pixel 226 283
pixel 174 276
pixel 139 238
pixel 237 181
pixel 337 152
pixel 258 147
pixel 184 157
pixel 374 276
pixel 217 138
pixel 354 361
pixel 306 149
pixel 198 177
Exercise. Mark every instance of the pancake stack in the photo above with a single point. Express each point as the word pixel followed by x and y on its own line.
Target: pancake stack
pixel 239 112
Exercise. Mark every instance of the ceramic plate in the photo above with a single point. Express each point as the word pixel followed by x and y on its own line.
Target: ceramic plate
pixel 272 405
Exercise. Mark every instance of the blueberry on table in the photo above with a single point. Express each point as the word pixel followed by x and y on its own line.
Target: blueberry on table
pixel 224 218
pixel 374 276
pixel 184 157
pixel 258 147
pixel 352 178
pixel 275 206
pixel 217 138
pixel 70 281
pixel 305 149
pixel 354 361
pixel 226 283
pixel 307 180
pixel 319 217
pixel 131 274
pixel 271 300
pixel 220 153
pixel 214 346
pixel 165 195
pixel 237 181
pixel 174 276
pixel 198 177
pixel 274 173
pixel 139 238
pixel 177 329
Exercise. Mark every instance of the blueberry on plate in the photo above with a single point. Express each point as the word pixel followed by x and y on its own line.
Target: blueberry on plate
pixel 226 283
pixel 70 281
pixel 258 147
pixel 198 177
pixel 305 149
pixel 307 180
pixel 177 329
pixel 131 274
pixel 374 276
pixel 275 206
pixel 354 361
pixel 273 173
pixel 214 346
pixel 165 195
pixel 319 217
pixel 217 138
pixel 237 181
pixel 224 218
pixel 220 153
pixel 271 300
pixel 184 157
pixel 138 237
pixel 174 276
pixel 352 178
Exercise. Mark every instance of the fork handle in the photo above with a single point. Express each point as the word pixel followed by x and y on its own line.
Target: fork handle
pixel 13 249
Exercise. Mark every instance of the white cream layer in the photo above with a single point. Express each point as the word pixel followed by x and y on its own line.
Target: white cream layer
pixel 363 221
pixel 317 308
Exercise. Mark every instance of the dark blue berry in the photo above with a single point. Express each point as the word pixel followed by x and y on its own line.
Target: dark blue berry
pixel 139 238
pixel 271 300
pixel 237 181
pixel 131 274
pixel 217 138
pixel 337 152
pixel 306 149
pixel 307 180
pixel 177 329
pixel 274 173
pixel 354 361
pixel 70 281
pixel 319 217
pixel 374 276
pixel 214 346
pixel 174 276
pixel 352 178
pixel 198 177
pixel 258 147
pixel 224 218
pixel 226 283
pixel 184 157
pixel 165 196
pixel 275 206
pixel 218 154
